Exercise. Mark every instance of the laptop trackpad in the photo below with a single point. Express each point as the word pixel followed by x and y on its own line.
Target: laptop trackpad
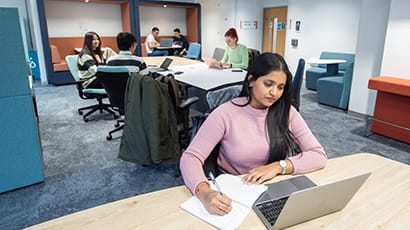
pixel 286 187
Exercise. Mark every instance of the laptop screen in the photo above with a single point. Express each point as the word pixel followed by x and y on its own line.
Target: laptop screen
pixel 165 42
pixel 166 63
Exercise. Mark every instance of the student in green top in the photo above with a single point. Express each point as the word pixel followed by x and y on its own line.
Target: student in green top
pixel 236 55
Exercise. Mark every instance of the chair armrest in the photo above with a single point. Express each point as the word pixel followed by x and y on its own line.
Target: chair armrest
pixel 188 102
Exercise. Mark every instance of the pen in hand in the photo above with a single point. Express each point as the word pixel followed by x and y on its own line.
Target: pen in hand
pixel 211 175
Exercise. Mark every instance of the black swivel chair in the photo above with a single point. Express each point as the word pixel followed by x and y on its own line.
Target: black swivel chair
pixel 114 80
pixel 297 84
pixel 252 53
pixel 98 94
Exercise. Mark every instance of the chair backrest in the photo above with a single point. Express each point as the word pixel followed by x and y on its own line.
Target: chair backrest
pixel 72 63
pixel 218 54
pixel 252 53
pixel 220 96
pixel 297 83
pixel 333 55
pixel 347 84
pixel 194 51
pixel 114 80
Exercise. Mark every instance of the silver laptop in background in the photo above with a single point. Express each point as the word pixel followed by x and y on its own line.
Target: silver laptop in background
pixel 279 209
pixel 165 42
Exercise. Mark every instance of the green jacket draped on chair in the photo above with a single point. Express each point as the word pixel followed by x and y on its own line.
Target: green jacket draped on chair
pixel 150 134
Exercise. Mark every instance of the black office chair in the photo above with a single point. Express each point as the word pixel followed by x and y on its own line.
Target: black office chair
pixel 98 94
pixel 252 53
pixel 181 104
pixel 114 80
pixel 297 84
pixel 214 99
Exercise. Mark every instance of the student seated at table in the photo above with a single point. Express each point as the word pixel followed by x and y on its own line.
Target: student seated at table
pixel 180 40
pixel 126 44
pixel 260 135
pixel 151 43
pixel 236 55
pixel 90 57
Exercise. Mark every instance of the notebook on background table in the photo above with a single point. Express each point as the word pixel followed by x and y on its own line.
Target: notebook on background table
pixel 298 199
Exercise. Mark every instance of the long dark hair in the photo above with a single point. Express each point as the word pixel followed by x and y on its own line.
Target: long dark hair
pixel 88 47
pixel 281 143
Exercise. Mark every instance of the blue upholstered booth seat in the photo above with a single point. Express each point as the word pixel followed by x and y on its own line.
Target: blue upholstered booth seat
pixel 314 73
pixel 335 90
pixel 330 90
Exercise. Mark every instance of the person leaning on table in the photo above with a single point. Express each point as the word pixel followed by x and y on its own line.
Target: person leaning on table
pixel 236 55
pixel 260 135
pixel 91 56
pixel 151 43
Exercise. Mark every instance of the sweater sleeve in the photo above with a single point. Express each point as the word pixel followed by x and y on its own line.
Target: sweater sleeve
pixel 243 53
pixel 208 136
pixel 312 156
pixel 226 55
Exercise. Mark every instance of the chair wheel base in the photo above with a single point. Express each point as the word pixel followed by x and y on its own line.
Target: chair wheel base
pixel 85 119
pixel 116 125
pixel 80 112
pixel 109 137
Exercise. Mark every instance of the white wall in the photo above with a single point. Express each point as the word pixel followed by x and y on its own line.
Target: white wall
pixel 330 25
pixel 170 18
pixel 219 15
pixel 274 3
pixel 396 58
pixel 369 52
pixel 74 19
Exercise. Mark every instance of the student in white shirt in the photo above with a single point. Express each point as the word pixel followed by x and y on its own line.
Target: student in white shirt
pixel 151 44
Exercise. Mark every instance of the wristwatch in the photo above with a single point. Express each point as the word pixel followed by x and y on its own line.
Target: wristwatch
pixel 284 166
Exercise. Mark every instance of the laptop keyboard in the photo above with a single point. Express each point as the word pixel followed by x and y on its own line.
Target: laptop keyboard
pixel 272 208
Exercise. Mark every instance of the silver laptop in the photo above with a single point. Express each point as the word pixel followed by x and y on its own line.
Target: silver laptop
pixel 164 66
pixel 165 42
pixel 297 200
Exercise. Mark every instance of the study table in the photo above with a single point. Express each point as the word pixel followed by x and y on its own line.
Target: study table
pixel 383 202
pixel 332 65
pixel 198 74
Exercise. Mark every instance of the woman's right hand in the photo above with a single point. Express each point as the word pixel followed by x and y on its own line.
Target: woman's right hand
pixel 213 201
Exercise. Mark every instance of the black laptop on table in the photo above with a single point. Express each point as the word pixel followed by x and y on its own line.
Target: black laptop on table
pixel 299 199
pixel 164 66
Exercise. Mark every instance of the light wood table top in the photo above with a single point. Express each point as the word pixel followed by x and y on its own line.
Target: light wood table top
pixel 177 61
pixel 325 61
pixel 383 202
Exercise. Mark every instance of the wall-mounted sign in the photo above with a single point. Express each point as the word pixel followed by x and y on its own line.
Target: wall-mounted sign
pixel 248 25
pixel 281 26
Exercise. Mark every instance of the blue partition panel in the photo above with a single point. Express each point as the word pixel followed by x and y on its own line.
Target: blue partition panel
pixel 21 161
pixel 20 152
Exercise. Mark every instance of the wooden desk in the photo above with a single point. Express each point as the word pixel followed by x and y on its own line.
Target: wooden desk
pixel 383 202
pixel 332 65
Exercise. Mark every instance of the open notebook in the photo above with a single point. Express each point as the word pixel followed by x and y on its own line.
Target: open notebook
pixel 243 196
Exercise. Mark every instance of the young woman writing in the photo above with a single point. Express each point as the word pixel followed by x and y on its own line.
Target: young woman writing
pixel 260 135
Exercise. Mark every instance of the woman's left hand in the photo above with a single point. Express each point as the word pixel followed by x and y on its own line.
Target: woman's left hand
pixel 263 173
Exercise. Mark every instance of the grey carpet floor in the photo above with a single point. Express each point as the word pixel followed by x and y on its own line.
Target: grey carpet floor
pixel 82 169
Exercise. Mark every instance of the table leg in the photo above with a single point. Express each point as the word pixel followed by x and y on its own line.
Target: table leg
pixel 332 69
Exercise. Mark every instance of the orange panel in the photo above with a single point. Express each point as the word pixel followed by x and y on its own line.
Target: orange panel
pixel 192 25
pixel 125 13
pixel 390 84
pixel 394 109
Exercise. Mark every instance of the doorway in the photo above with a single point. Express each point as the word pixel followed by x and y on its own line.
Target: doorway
pixel 274 29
